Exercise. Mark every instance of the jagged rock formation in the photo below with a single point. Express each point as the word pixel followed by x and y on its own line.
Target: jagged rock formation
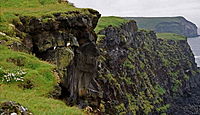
pixel 178 25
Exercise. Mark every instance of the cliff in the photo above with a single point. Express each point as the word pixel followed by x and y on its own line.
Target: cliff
pixel 122 70
pixel 143 73
pixel 178 25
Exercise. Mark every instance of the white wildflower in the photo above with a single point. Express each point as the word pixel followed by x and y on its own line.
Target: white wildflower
pixel 13 114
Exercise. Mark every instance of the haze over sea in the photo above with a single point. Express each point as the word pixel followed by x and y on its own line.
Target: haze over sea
pixel 195 46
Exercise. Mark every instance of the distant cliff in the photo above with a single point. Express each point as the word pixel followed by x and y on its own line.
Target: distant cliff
pixel 178 25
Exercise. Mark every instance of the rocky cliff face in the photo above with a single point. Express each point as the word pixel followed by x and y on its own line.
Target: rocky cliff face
pixel 143 74
pixel 124 71
pixel 178 25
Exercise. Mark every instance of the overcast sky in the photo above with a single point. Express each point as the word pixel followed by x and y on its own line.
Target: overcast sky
pixel 190 9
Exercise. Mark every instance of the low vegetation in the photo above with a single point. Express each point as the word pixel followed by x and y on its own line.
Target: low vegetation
pixel 170 36
pixel 110 20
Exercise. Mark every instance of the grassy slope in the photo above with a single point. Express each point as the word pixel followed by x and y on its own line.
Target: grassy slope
pixel 170 36
pixel 41 77
pixel 151 22
pixel 39 73
pixel 110 20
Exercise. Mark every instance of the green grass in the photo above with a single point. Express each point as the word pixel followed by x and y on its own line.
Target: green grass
pixel 170 36
pixel 110 20
pixel 41 76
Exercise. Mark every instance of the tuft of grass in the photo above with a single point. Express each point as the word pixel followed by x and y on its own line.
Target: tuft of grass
pixel 171 36
pixel 39 75
pixel 110 20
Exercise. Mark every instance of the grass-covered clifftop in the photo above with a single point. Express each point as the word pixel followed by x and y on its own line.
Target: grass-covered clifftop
pixel 109 20
pixel 178 25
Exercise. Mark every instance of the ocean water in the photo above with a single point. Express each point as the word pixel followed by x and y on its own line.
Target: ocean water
pixel 195 46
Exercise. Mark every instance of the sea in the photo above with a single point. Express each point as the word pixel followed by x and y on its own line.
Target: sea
pixel 195 46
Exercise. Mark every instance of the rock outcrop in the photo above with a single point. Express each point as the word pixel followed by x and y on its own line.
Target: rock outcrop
pixel 178 25
pixel 67 40
pixel 13 108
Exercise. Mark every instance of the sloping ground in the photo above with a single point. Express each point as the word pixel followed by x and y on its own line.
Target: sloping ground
pixel 28 81
pixel 178 25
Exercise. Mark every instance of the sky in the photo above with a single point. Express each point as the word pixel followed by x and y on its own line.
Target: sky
pixel 190 9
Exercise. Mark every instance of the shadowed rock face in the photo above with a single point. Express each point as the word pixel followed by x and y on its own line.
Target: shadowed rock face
pixel 68 42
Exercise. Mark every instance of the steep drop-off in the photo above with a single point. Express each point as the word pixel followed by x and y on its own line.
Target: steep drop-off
pixel 178 25
pixel 143 73
pixel 124 71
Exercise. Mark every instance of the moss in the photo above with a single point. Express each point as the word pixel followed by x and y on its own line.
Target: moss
pixel 127 80
pixel 145 104
pixel 160 90
pixel 163 108
pixel 132 103
pixel 176 85
pixel 127 63
pixel 100 39
pixel 120 109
